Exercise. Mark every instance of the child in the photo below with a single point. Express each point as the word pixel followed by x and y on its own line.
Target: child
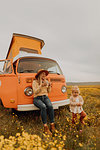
pixel 76 102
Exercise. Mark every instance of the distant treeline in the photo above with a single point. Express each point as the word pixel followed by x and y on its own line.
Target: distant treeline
pixel 83 83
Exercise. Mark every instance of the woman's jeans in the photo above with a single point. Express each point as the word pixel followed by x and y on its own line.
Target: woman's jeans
pixel 44 103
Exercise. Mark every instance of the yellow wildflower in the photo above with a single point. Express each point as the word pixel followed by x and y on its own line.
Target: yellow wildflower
pixel 67 119
pixel 64 137
pixel 40 148
pixel 74 140
pixel 80 144
pixel 1 137
pixel 55 141
pixel 53 148
pixel 56 134
pixel 56 131
pixel 77 136
pixel 17 134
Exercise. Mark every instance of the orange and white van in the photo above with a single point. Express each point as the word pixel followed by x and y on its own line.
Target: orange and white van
pixel 18 70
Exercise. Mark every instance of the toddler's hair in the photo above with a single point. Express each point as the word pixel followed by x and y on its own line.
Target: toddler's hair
pixel 75 88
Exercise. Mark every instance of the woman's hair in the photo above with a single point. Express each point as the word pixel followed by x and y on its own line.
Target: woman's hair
pixel 38 78
pixel 75 88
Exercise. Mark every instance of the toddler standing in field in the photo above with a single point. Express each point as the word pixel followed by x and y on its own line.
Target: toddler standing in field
pixel 76 102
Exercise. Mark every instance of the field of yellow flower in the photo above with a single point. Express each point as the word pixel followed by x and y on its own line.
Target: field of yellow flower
pixel 24 130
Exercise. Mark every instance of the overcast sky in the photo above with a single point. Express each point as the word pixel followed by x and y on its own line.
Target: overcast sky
pixel 70 29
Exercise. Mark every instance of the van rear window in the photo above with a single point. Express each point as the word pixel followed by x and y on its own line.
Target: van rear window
pixel 32 65
pixel 5 67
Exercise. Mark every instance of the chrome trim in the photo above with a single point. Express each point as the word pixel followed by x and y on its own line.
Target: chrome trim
pixel 26 91
pixel 30 107
pixel 62 89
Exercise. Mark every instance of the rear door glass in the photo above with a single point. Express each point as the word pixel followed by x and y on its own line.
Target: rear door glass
pixel 5 67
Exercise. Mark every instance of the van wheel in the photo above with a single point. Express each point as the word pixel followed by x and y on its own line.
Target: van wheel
pixel 1 104
pixel 2 107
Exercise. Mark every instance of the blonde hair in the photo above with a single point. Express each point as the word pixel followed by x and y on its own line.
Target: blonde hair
pixel 75 88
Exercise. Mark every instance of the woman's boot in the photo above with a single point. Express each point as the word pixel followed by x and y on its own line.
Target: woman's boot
pixel 52 127
pixel 46 130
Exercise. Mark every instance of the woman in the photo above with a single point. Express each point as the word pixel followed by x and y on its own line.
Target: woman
pixel 41 88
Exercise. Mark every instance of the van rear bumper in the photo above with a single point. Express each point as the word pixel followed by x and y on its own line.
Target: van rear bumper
pixel 30 107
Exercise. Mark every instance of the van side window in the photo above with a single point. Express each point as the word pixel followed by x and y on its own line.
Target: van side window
pixel 5 67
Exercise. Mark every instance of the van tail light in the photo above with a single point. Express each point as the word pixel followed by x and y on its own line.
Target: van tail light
pixel 64 89
pixel 28 91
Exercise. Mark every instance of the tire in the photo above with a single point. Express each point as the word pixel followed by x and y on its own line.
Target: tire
pixel 7 109
pixel 1 104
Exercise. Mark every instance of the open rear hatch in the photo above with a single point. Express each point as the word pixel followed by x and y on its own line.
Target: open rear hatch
pixel 24 43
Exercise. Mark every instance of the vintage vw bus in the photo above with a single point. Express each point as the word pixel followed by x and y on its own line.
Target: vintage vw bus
pixel 18 70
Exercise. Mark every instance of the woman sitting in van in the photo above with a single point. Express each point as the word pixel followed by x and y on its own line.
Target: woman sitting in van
pixel 41 88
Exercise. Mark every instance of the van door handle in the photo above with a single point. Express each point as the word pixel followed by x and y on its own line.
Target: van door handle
pixel 19 80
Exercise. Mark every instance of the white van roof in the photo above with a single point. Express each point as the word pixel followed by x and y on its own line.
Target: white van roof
pixel 25 54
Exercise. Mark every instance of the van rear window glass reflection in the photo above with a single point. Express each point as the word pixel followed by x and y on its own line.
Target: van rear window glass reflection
pixel 5 67
pixel 32 65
